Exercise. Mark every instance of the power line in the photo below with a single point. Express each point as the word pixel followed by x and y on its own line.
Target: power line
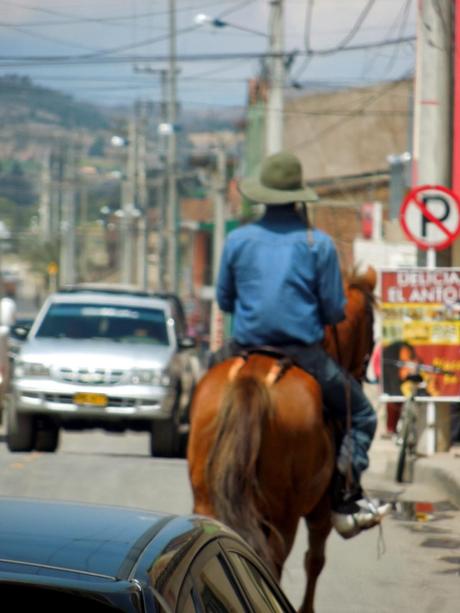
pixel 229 11
pixel 359 47
pixel 401 28
pixel 97 58
pixel 401 17
pixel 142 43
pixel 357 25
pixel 342 45
pixel 71 19
pixel 52 39
pixel 307 46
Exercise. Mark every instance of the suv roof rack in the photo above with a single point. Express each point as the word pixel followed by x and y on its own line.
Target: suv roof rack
pixel 105 288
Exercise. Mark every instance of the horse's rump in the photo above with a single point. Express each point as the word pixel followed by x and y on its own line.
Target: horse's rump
pixel 260 456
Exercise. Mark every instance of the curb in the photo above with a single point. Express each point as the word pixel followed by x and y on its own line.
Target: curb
pixel 438 472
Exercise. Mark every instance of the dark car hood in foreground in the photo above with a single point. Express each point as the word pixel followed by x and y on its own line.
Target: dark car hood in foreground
pixel 92 539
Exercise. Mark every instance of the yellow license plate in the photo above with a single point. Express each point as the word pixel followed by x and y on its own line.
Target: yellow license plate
pixel 87 399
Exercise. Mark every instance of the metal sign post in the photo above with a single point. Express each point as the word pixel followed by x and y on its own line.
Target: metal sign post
pixel 431 406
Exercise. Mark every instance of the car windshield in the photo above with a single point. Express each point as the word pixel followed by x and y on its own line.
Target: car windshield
pixel 117 323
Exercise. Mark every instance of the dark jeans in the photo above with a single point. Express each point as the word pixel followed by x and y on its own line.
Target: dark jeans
pixel 333 381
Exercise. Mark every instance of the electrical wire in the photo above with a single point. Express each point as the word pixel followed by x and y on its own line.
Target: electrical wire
pixel 307 45
pixel 14 91
pixel 343 44
pixel 99 57
pixel 357 25
pixel 401 28
pixel 58 41
pixel 73 19
pixel 229 11
pixel 402 18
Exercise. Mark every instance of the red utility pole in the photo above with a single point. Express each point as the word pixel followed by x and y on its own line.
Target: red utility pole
pixel 456 118
pixel 456 109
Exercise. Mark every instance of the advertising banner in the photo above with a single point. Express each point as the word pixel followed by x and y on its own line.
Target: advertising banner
pixel 420 314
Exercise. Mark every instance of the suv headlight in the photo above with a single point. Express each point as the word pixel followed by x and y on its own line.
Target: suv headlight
pixel 31 369
pixel 146 376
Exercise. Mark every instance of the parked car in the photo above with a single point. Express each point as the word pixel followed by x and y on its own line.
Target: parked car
pixel 102 358
pixel 69 556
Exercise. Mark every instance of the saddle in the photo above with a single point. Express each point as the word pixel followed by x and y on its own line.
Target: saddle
pixel 231 349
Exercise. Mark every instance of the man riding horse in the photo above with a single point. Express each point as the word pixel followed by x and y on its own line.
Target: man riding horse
pixel 281 281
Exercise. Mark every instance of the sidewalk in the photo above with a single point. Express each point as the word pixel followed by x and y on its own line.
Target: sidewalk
pixel 440 471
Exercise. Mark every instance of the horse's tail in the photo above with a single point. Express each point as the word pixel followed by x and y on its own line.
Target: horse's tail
pixel 232 468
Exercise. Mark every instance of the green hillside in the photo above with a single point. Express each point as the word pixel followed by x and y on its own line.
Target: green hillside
pixel 23 101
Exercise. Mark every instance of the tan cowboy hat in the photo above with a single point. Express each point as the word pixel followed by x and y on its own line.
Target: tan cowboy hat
pixel 280 182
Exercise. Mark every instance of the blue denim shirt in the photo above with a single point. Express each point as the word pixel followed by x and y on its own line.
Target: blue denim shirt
pixel 279 288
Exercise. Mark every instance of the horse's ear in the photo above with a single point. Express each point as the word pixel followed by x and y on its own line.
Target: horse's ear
pixel 371 277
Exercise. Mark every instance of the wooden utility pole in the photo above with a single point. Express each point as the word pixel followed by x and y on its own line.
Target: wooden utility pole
pixel 432 150
pixel 142 200
pixel 67 267
pixel 161 242
pixel 456 119
pixel 128 208
pixel 172 213
pixel 45 200
pixel 220 190
pixel 275 105
pixel 84 228
pixel 56 195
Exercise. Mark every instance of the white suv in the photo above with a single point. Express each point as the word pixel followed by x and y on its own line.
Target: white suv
pixel 102 359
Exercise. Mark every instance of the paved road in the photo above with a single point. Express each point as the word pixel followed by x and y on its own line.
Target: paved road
pixel 420 570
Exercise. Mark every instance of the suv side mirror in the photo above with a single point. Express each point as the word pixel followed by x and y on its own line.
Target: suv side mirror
pixel 20 332
pixel 187 342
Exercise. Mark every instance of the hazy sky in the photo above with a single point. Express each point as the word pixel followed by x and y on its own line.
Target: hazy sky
pixel 34 28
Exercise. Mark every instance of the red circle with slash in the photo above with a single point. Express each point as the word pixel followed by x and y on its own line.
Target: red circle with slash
pixel 430 216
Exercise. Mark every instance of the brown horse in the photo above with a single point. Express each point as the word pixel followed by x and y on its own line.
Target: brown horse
pixel 260 454
pixel 352 342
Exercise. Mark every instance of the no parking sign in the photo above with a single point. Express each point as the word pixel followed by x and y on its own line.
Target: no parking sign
pixel 430 216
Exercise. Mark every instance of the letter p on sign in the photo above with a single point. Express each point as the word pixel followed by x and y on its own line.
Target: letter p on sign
pixel 430 216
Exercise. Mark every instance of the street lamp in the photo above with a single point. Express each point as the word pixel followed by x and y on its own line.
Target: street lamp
pixel 165 129
pixel 117 141
pixel 275 101
pixel 202 19
pixel 128 212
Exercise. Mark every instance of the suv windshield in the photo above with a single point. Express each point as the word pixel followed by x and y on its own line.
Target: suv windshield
pixel 112 322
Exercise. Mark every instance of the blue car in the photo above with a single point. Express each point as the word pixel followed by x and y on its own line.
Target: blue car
pixel 58 556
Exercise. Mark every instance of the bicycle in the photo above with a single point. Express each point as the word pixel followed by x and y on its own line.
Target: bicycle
pixel 407 423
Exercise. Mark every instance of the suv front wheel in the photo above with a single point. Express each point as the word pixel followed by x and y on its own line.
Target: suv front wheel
pixel 20 429
pixel 164 438
pixel 47 437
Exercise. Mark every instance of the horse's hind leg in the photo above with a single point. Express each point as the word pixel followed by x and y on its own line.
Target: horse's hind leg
pixel 319 526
